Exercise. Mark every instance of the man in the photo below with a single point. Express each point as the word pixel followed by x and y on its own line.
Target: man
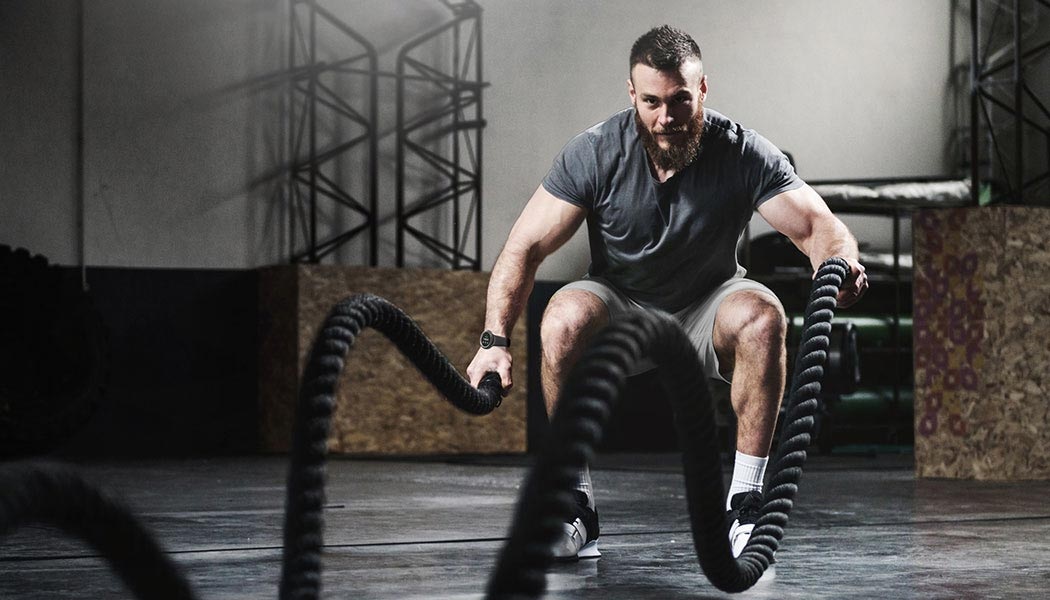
pixel 666 188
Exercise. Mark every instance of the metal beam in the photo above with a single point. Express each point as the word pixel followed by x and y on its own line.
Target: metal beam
pixel 446 139
pixel 1008 173
pixel 309 99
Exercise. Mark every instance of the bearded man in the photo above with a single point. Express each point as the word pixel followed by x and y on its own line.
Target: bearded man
pixel 666 188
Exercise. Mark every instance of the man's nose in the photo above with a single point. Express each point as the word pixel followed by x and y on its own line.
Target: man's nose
pixel 665 117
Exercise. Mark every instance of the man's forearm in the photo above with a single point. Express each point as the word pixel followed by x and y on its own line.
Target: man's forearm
pixel 509 287
pixel 830 238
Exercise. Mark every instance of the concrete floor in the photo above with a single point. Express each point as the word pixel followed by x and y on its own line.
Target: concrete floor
pixel 862 527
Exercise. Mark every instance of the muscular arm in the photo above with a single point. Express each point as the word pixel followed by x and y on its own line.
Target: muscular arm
pixel 544 225
pixel 803 216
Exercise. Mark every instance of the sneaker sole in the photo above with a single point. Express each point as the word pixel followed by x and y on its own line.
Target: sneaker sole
pixel 589 551
pixel 768 575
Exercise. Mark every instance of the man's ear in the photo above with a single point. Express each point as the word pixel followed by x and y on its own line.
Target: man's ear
pixel 630 89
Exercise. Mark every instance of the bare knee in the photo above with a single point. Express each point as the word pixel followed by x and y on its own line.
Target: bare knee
pixel 766 327
pixel 751 324
pixel 572 317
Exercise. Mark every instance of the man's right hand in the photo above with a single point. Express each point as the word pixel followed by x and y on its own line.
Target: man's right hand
pixel 496 359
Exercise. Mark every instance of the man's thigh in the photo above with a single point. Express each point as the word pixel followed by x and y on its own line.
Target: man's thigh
pixel 617 305
pixel 698 320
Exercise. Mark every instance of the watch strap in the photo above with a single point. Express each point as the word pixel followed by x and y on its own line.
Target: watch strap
pixel 489 340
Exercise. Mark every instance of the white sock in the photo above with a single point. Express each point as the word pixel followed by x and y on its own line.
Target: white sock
pixel 583 484
pixel 748 472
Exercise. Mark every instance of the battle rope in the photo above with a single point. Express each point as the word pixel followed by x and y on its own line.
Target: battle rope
pixel 588 396
pixel 301 569
pixel 59 496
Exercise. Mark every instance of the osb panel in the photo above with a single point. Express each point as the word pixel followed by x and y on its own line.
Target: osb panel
pixel 385 405
pixel 980 343
pixel 1024 346
pixel 278 355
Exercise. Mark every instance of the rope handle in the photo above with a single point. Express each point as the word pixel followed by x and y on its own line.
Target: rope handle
pixel 492 384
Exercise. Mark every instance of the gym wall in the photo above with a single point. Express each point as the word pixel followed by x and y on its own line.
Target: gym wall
pixel 183 119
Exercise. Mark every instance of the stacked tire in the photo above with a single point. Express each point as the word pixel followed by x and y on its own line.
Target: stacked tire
pixel 53 357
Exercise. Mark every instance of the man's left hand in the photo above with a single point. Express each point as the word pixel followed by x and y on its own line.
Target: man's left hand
pixel 854 286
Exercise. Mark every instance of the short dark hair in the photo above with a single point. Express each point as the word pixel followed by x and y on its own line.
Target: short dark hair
pixel 664 48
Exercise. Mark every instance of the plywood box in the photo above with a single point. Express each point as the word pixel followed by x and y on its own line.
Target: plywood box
pixel 385 406
pixel 982 342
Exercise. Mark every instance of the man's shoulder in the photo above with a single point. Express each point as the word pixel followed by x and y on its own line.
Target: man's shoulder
pixel 615 127
pixel 607 138
pixel 719 128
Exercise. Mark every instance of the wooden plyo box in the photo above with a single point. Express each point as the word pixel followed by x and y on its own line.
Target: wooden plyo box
pixel 982 342
pixel 385 406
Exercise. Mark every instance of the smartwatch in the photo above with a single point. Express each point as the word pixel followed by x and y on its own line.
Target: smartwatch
pixel 489 339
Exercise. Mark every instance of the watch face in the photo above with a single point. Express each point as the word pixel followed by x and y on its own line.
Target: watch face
pixel 486 339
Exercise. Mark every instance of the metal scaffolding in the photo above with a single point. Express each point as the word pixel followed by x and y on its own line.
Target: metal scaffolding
pixel 1009 135
pixel 440 138
pixel 335 132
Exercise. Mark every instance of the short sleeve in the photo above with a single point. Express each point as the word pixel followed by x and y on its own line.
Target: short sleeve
pixel 767 170
pixel 572 176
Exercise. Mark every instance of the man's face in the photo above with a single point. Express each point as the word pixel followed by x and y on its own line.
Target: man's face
pixel 669 111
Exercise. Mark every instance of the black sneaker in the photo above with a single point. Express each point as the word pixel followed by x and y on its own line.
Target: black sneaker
pixel 743 513
pixel 579 538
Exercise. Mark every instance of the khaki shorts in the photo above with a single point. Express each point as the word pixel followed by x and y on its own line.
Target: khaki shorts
pixel 697 319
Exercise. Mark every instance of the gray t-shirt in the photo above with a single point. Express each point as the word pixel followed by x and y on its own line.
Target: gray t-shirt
pixel 666 245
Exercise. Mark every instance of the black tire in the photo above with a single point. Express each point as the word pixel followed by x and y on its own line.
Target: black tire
pixel 53 354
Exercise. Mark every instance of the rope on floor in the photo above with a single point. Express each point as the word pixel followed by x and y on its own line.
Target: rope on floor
pixel 60 496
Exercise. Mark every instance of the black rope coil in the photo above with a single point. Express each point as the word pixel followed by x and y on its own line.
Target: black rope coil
pixel 60 496
pixel 587 399
pixel 303 536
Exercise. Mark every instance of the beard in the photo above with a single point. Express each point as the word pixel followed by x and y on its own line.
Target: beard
pixel 678 155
